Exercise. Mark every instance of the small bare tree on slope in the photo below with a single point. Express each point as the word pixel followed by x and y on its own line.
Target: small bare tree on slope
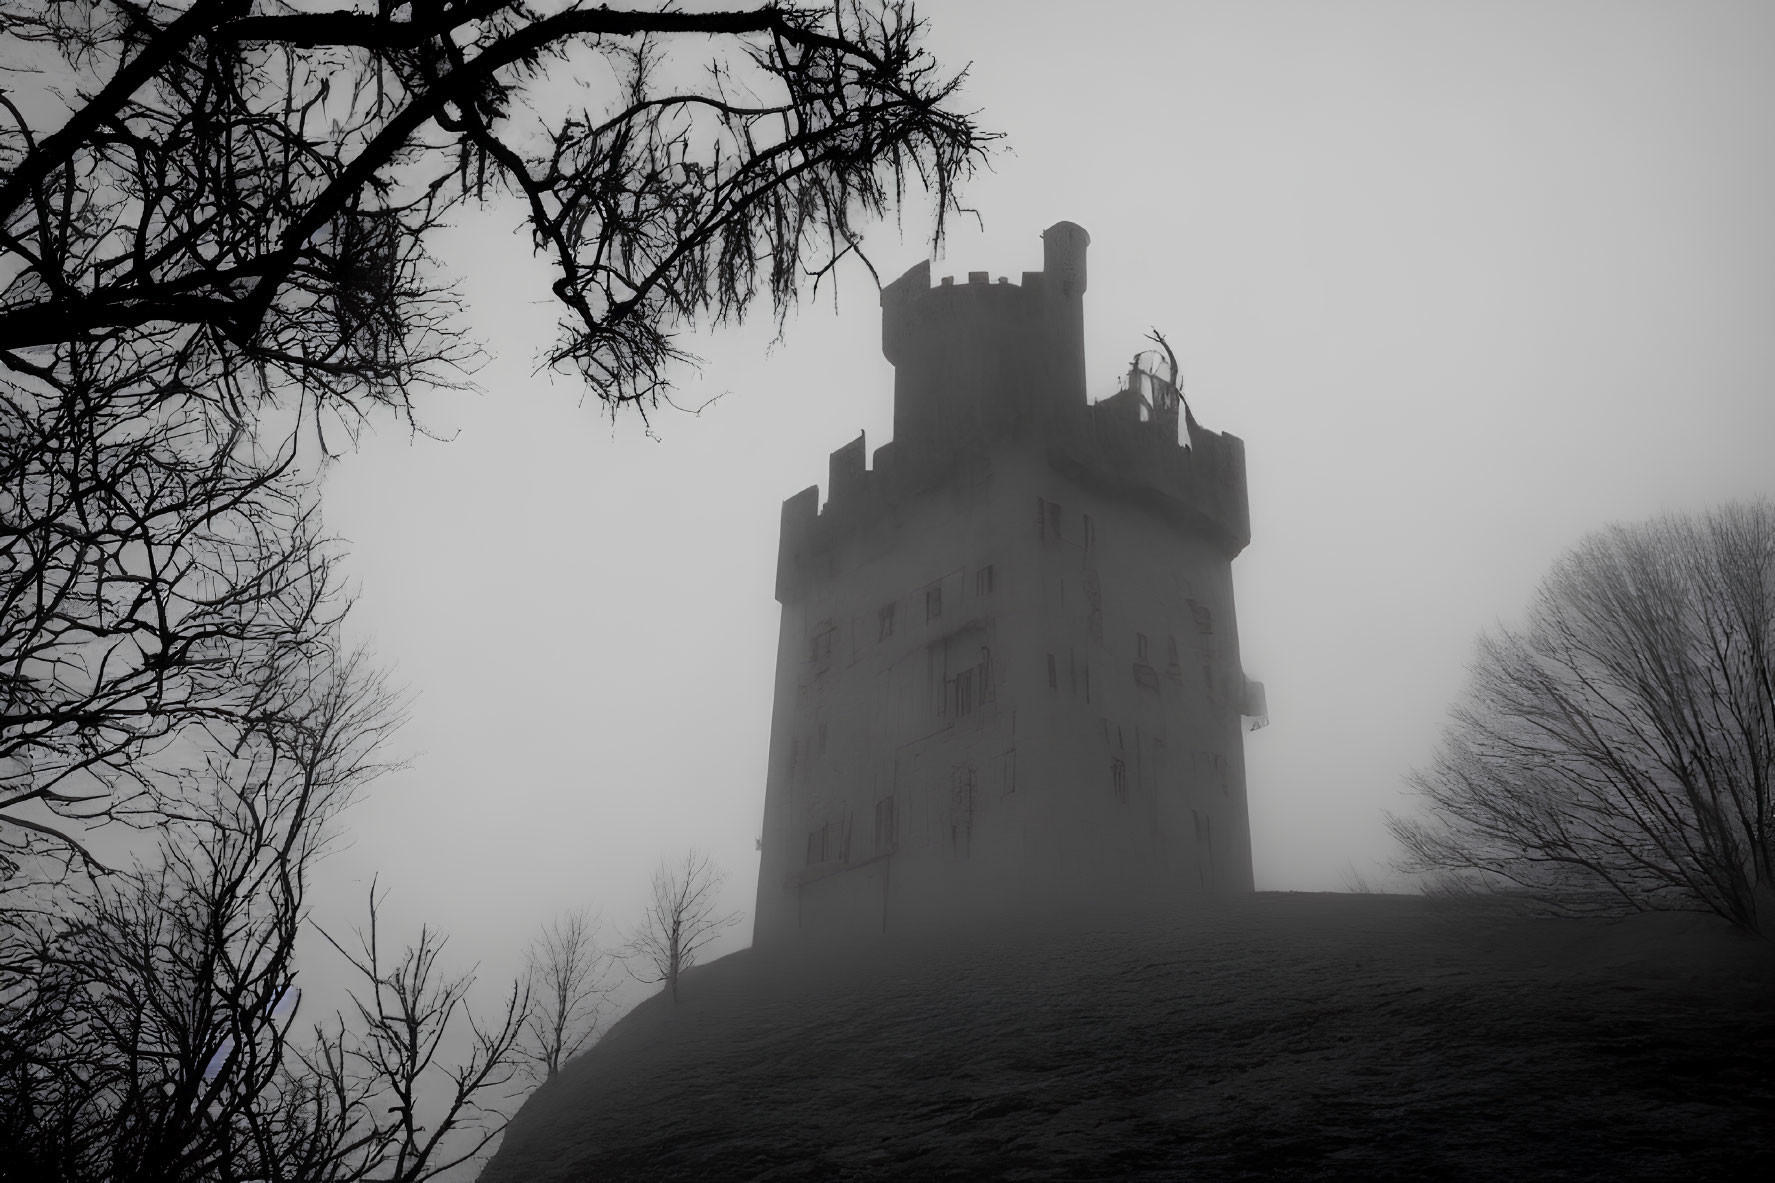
pixel 680 920
pixel 1619 749
pixel 570 984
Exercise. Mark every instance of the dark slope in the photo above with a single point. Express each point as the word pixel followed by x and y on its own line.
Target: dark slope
pixel 1279 1036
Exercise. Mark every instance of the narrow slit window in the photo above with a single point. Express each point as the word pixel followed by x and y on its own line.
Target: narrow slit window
pixel 933 603
pixel 963 692
pixel 884 825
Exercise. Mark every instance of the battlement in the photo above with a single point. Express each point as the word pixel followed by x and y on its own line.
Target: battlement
pixel 1198 488
pixel 986 359
pixel 982 366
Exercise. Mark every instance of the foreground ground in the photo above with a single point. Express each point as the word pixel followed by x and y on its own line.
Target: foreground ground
pixel 1280 1036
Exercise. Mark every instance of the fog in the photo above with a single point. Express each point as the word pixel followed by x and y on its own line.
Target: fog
pixel 1469 281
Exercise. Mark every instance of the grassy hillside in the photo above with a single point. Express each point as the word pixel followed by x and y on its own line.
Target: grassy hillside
pixel 1276 1036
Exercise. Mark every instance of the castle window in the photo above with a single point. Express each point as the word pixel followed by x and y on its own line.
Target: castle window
pixel 964 692
pixel 1090 533
pixel 1171 652
pixel 1053 679
pixel 1047 519
pixel 816 846
pixel 983 581
pixel 1140 648
pixel 884 825
pixel 1203 617
pixel 1118 778
pixel 961 823
pixel 933 603
pixel 887 623
pixel 821 656
pixel 985 674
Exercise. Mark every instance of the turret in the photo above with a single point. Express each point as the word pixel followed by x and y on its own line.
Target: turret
pixel 984 358
pixel 1063 271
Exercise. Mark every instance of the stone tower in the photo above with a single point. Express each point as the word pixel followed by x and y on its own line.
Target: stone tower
pixel 1008 670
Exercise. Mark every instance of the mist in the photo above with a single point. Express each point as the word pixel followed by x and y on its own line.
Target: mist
pixel 1469 281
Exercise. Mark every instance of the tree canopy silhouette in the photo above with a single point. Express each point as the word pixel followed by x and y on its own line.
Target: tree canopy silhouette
pixel 1618 750
pixel 214 229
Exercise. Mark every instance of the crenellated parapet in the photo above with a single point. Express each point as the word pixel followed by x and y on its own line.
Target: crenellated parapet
pixel 982 365
pixel 982 358
pixel 854 494
pixel 1198 487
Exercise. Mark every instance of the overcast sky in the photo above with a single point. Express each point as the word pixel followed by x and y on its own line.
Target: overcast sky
pixel 1469 280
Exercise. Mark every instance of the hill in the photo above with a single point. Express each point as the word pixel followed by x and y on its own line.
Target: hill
pixel 1274 1036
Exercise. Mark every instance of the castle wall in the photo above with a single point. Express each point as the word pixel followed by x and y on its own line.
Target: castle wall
pixel 890 682
pixel 1144 751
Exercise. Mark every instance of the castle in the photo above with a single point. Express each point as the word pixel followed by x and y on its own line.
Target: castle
pixel 1008 670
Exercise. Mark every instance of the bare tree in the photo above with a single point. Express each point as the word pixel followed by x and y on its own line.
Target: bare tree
pixel 1619 750
pixel 214 228
pixel 569 977
pixel 680 920
pixel 154 587
pixel 151 1046
pixel 141 1035
pixel 392 1108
